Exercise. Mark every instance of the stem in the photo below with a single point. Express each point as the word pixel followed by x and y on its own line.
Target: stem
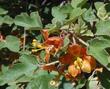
pixel 82 41
pixel 24 40
pixel 52 63
pixel 74 41
pixel 90 78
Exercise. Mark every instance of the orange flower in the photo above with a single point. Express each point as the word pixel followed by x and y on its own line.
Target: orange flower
pixel 86 67
pixel 74 70
pixel 78 59
pixel 88 64
pixel 83 51
pixel 74 50
pixel 57 42
pixel 52 44
pixel 66 59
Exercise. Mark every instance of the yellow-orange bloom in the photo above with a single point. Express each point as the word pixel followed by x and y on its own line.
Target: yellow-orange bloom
pixel 74 70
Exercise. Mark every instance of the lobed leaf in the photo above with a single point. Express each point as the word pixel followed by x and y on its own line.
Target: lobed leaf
pixel 22 71
pixel 78 3
pixel 3 11
pixel 11 43
pixel 97 48
pixel 42 81
pixel 32 21
pixel 103 28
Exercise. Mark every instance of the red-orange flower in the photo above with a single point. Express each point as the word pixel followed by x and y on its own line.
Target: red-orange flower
pixel 74 50
pixel 78 60
pixel 52 44
pixel 57 42
pixel 66 59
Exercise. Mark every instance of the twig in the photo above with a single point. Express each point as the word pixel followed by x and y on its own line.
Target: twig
pixel 91 75
pixel 83 42
pixel 48 64
pixel 24 39
pixel 52 63
pixel 74 41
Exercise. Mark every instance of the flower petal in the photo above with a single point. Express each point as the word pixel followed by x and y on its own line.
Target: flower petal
pixel 86 67
pixel 66 59
pixel 56 41
pixel 73 70
pixel 74 50
pixel 91 61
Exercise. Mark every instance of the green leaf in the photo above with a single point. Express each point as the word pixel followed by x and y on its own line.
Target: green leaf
pixel 102 13
pixel 68 86
pixel 58 15
pixel 78 3
pixel 103 28
pixel 89 15
pixel 8 20
pixel 28 59
pixel 3 11
pixel 42 81
pixel 66 41
pixel 36 19
pixel 26 67
pixel 11 43
pixel 93 84
pixel 2 45
pixel 1 20
pixel 13 87
pixel 23 78
pixel 67 8
pixel 75 14
pixel 98 5
pixel 97 48
pixel 4 68
pixel 32 21
pixel 103 10
pixel 30 62
pixel 12 74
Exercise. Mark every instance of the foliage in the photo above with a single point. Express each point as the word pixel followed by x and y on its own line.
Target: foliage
pixel 54 44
